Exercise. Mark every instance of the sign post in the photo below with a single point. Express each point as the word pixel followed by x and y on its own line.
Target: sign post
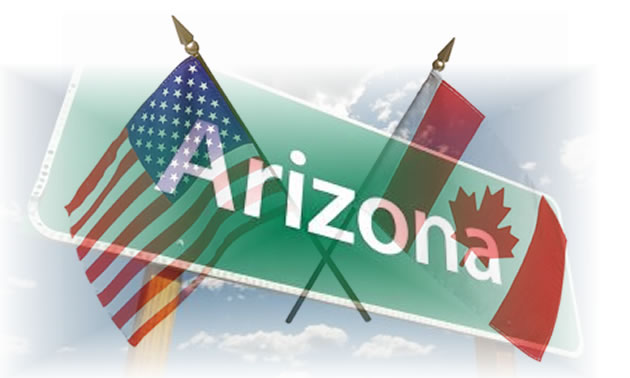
pixel 149 357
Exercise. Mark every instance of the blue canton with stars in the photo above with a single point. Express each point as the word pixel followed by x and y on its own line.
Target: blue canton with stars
pixel 159 127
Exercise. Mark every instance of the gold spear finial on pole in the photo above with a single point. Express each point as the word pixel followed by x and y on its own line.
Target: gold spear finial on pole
pixel 443 56
pixel 186 38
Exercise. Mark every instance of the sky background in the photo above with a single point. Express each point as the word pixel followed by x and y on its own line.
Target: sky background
pixel 524 68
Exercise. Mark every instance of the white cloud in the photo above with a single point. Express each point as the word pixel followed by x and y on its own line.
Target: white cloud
pixel 239 286
pixel 212 284
pixel 14 345
pixel 383 106
pixel 528 166
pixel 277 346
pixel 21 283
pixel 391 126
pixel 339 105
pixel 401 132
pixel 199 339
pixel 386 346
pixel 544 180
pixel 578 155
pixel 215 284
pixel 66 349
pixel 334 90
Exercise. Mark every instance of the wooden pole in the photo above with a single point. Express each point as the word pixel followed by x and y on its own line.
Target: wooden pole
pixel 149 357
pixel 494 358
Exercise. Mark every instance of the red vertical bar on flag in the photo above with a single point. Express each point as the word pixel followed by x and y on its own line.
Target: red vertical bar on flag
pixel 528 313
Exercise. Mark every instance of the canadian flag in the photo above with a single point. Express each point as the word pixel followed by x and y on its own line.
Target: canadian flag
pixel 442 122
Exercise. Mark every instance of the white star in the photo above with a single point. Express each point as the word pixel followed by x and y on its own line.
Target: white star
pixel 192 68
pixel 237 138
pixel 152 104
pixel 201 99
pixel 203 86
pixel 199 112
pixel 189 96
pixel 163 105
pixel 144 116
pixel 174 163
pixel 178 79
pixel 164 91
pixel 162 119
pixel 186 165
pixel 186 151
pixel 214 103
pixel 198 126
pixel 208 142
pixel 226 121
pixel 210 129
pixel 176 107
pixel 191 82
pixel 177 93
pixel 188 110
pixel 197 140
pixel 187 138
pixel 174 177
pixel 213 116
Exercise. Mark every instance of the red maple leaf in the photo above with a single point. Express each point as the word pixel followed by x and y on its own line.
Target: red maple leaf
pixel 480 228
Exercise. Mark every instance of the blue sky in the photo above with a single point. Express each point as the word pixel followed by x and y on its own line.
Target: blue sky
pixel 532 134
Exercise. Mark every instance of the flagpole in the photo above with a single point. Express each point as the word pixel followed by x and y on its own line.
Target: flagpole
pixel 192 48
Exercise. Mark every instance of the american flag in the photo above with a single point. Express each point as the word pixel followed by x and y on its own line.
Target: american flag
pixel 146 190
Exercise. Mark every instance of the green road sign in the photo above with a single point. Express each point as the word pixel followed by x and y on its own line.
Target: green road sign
pixel 333 158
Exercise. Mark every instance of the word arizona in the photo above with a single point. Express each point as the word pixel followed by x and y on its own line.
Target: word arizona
pixel 343 198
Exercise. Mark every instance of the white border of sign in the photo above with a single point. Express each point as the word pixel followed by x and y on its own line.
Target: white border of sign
pixel 40 185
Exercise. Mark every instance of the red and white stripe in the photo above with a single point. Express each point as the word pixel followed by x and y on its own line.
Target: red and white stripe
pixel 119 281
